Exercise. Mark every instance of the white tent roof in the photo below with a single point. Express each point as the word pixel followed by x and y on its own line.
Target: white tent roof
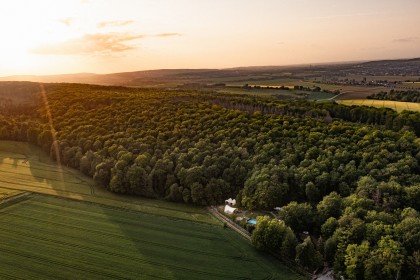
pixel 231 201
pixel 229 210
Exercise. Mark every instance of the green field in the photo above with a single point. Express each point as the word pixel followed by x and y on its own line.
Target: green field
pixel 395 105
pixel 44 237
pixel 25 167
pixel 5 193
pixel 264 82
pixel 279 94
pixel 282 94
pixel 320 95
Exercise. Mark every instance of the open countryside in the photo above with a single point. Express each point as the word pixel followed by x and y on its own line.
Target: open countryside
pixel 178 140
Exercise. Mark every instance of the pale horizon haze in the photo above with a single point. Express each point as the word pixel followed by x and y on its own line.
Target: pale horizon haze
pixel 46 37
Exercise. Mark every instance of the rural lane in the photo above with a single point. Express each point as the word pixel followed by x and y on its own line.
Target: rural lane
pixel 231 224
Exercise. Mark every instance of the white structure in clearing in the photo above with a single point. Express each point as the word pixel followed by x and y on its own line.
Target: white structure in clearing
pixel 230 210
pixel 230 202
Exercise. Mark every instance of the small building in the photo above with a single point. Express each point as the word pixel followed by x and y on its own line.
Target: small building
pixel 230 202
pixel 230 210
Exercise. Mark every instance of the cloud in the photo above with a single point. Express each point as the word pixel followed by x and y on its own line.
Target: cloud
pixel 406 40
pixel 165 35
pixel 101 43
pixel 343 16
pixel 91 44
pixel 66 21
pixel 114 23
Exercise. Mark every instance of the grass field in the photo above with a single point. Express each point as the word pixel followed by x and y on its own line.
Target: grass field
pixel 45 237
pixel 24 167
pixel 413 85
pixel 5 193
pixel 280 94
pixel 320 95
pixel 396 105
pixel 283 94
pixel 264 82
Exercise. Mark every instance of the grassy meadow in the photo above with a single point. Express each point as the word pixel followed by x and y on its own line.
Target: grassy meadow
pixel 24 167
pixel 395 105
pixel 279 94
pixel 6 193
pixel 47 237
pixel 413 85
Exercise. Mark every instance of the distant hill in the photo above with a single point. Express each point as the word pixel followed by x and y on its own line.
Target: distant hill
pixel 403 67
pixel 67 78
pixel 124 78
pixel 393 61
pixel 173 77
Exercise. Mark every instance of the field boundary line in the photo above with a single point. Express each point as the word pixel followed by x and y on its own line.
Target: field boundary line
pixel 332 98
pixel 13 199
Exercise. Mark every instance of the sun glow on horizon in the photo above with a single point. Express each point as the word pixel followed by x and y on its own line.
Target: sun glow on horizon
pixel 68 36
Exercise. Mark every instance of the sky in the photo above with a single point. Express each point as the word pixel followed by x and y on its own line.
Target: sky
pixel 45 37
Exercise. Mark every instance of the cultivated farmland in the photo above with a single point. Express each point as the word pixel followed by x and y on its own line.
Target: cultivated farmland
pixel 55 238
pixel 395 105
pixel 279 94
pixel 24 167
pixel 5 193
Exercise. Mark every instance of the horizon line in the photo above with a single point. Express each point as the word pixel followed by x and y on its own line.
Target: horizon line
pixel 222 68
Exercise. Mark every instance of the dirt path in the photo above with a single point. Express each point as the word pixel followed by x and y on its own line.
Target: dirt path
pixel 335 96
pixel 232 225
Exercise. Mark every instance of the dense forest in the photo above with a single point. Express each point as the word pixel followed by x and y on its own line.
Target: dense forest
pixel 347 175
pixel 397 95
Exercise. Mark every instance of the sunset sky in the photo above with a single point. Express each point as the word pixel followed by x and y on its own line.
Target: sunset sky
pixel 106 36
